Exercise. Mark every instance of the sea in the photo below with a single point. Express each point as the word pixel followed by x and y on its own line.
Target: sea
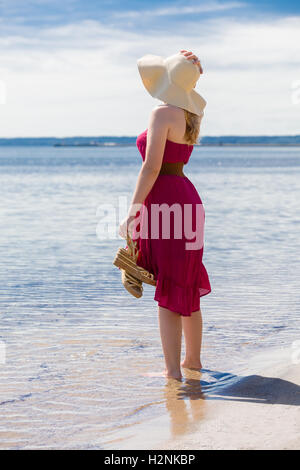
pixel 80 358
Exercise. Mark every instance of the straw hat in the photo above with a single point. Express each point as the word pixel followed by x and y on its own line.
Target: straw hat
pixel 172 80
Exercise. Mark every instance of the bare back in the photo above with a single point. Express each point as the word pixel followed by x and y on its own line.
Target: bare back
pixel 177 123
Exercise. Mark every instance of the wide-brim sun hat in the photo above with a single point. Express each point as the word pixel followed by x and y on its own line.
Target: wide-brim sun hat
pixel 172 80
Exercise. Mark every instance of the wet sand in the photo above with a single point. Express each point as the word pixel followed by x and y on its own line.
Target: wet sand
pixel 256 409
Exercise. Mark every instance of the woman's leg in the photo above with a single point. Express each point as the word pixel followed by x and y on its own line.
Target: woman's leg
pixel 192 328
pixel 171 334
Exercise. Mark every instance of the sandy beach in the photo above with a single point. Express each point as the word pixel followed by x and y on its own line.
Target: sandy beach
pixel 256 410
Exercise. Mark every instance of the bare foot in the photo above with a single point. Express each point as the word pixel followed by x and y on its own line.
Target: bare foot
pixel 191 365
pixel 170 375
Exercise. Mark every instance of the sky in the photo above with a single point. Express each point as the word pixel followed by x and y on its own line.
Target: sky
pixel 69 67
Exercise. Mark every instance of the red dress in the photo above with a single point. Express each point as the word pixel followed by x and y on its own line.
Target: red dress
pixel 173 255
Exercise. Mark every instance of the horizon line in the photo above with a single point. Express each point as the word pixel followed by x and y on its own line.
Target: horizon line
pixel 134 136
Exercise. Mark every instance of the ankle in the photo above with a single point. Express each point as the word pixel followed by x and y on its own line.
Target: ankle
pixel 173 373
pixel 191 362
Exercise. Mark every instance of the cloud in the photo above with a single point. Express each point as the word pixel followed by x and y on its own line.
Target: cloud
pixel 180 10
pixel 82 78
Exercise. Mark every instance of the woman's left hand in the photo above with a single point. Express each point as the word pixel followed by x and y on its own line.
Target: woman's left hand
pixel 190 56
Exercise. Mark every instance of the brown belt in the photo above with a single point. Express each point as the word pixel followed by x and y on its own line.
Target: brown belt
pixel 172 168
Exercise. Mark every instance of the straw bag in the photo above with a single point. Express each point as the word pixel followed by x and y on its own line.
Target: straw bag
pixel 132 275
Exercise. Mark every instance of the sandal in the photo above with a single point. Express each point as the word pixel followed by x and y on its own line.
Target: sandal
pixel 126 259
pixel 133 285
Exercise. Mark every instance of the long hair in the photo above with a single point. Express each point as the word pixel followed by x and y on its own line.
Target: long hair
pixel 192 127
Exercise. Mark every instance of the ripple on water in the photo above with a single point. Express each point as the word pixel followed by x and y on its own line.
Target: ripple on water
pixel 78 347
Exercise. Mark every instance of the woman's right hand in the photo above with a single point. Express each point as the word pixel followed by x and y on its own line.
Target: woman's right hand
pixel 190 56
pixel 125 226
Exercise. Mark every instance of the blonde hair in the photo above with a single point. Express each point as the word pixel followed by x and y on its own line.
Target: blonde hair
pixel 192 128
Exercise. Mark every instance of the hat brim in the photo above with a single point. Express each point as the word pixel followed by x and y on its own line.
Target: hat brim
pixel 175 95
pixel 163 89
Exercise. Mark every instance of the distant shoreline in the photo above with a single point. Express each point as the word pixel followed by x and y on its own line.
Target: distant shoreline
pixel 133 145
pixel 130 141
pixel 198 145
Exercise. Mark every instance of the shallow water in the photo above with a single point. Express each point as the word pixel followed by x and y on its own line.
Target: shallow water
pixel 77 344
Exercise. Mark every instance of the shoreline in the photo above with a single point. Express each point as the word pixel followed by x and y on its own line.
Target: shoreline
pixel 254 409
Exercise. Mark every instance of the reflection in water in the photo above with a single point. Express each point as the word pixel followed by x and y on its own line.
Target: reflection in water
pixel 185 403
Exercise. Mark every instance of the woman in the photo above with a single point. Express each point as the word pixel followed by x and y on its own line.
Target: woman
pixel 181 278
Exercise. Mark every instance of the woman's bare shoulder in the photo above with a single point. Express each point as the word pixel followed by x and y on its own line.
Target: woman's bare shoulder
pixel 170 108
pixel 168 111
pixel 175 119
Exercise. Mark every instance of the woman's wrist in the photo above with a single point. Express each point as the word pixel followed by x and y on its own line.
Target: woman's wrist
pixel 130 218
pixel 133 210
